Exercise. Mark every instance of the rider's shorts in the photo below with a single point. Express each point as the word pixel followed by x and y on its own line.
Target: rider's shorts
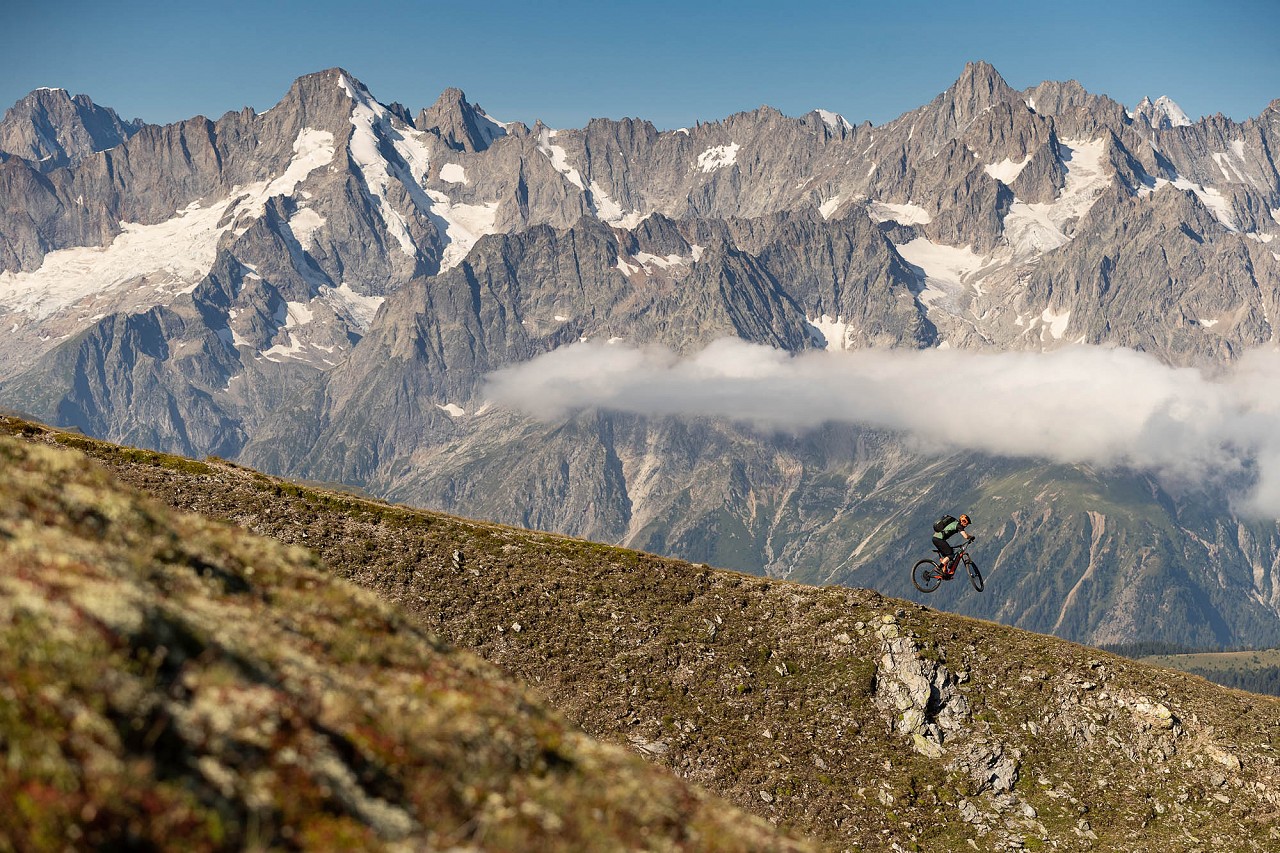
pixel 943 546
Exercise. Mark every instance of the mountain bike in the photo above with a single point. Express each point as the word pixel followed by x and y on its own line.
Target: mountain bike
pixel 927 575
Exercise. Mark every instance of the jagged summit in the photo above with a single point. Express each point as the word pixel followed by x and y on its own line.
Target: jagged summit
pixel 462 126
pixel 978 87
pixel 52 128
pixel 323 96
pixel 1161 114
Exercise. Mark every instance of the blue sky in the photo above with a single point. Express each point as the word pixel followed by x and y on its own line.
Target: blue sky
pixel 670 62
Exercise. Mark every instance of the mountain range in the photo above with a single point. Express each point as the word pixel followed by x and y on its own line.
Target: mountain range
pixel 325 290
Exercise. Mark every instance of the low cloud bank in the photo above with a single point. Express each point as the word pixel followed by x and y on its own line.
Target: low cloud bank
pixel 1103 406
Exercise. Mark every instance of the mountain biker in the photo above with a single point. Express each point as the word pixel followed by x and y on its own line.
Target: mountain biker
pixel 956 525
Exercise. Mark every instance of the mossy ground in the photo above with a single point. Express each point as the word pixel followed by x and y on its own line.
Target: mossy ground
pixel 168 682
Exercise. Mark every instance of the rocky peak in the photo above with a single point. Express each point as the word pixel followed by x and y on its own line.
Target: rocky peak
pixel 978 88
pixel 950 114
pixel 461 125
pixel 52 128
pixel 323 99
pixel 1161 114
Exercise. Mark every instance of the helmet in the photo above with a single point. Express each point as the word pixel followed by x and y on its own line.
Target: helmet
pixel 965 519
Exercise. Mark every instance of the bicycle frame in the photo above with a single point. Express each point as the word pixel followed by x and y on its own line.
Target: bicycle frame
pixel 927 575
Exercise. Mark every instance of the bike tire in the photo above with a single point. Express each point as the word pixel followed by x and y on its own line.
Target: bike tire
pixel 975 576
pixel 924 575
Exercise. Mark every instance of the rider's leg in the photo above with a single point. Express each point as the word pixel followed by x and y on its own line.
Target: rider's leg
pixel 945 549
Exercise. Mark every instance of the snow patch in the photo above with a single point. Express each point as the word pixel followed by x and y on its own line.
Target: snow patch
pixel 718 157
pixel 1030 229
pixel 610 211
pixel 453 173
pixel 835 121
pixel 559 158
pixel 945 268
pixel 461 225
pixel 356 308
pixel 374 125
pixel 835 332
pixel 304 224
pixel 829 207
pixel 1165 106
pixel 453 409
pixel 903 214
pixel 1086 177
pixel 490 128
pixel 1007 170
pixel 1055 324
pixel 1210 197
pixel 1229 168
pixel 647 260
pixel 297 314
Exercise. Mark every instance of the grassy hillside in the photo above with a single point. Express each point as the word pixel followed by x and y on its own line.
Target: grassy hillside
pixel 171 683
pixel 1257 670
pixel 868 722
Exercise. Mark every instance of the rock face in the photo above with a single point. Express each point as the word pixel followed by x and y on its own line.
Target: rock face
pixel 52 129
pixel 320 290
pixel 460 125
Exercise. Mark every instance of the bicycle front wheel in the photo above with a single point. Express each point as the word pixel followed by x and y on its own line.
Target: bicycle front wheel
pixel 925 575
pixel 975 576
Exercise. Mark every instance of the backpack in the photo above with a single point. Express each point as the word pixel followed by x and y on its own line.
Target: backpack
pixel 941 524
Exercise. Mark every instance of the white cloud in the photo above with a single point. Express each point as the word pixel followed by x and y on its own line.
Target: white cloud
pixel 1102 406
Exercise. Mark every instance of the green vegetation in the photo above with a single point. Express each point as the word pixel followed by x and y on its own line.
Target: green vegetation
pixel 1255 670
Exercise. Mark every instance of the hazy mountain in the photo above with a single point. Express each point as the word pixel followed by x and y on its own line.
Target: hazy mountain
pixel 322 290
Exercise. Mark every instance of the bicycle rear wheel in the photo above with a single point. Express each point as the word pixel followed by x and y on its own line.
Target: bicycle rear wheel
pixel 924 575
pixel 975 576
